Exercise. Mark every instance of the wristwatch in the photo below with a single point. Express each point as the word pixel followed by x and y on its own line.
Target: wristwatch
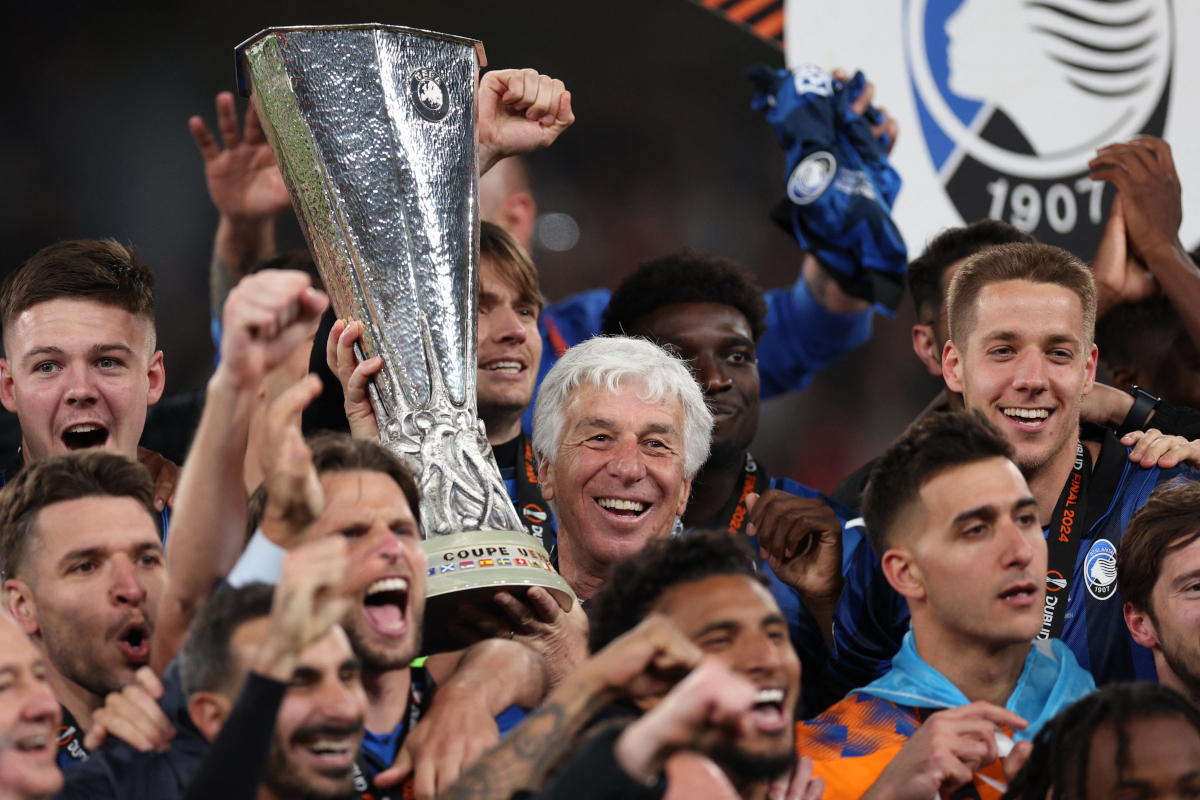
pixel 1143 404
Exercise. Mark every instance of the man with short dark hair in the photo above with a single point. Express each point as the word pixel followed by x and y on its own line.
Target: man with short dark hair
pixel 928 278
pixel 366 497
pixel 1158 567
pixel 1148 348
pixel 296 682
pixel 1021 352
pixel 956 529
pixel 80 362
pixel 677 601
pixel 83 576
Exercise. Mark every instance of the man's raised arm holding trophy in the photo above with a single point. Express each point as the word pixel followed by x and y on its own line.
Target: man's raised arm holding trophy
pixel 380 134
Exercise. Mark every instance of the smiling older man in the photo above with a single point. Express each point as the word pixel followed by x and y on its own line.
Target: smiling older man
pixel 29 718
pixel 620 429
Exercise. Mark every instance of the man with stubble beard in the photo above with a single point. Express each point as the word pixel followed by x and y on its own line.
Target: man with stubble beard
pixel 693 659
pixel 83 570
pixel 336 486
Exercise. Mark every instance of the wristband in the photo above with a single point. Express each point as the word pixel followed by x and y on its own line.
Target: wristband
pixel 1143 404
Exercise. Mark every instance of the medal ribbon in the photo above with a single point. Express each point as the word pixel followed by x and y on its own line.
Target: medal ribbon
pixel 1068 527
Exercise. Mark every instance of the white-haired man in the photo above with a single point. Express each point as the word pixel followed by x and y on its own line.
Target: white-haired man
pixel 620 429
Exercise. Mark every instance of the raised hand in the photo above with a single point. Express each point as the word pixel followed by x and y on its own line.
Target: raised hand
pixel 243 179
pixel 643 662
pixel 310 598
pixel 1120 277
pixel 702 712
pixel 1143 171
pixel 294 494
pixel 889 127
pixel 267 316
pixel 801 538
pixel 519 111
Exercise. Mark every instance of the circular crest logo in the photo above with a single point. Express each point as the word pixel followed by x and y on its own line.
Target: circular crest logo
pixel 1015 97
pixel 428 94
pixel 1100 569
pixel 811 177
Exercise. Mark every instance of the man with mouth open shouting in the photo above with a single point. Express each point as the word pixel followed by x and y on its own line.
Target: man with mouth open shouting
pixel 80 365
pixel 956 528
pixel 83 576
pixel 337 488
pixel 1021 352
pixel 693 603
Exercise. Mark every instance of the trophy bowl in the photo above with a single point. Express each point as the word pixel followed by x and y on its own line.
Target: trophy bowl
pixel 373 127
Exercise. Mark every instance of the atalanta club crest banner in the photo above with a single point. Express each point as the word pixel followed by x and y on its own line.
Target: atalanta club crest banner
pixel 1002 103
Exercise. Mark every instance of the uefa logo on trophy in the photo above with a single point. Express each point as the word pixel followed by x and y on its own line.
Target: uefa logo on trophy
pixel 373 127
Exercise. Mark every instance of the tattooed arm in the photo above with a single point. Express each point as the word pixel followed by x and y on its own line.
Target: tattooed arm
pixel 646 661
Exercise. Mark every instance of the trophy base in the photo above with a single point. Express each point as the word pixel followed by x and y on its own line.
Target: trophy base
pixel 468 568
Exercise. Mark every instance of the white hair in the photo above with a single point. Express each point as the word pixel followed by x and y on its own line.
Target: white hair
pixel 612 362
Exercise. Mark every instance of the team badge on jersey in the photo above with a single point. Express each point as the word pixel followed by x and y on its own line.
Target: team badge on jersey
pixel 1100 569
pixel 1014 99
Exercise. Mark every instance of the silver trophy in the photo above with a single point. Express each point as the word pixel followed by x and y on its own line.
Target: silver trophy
pixel 373 127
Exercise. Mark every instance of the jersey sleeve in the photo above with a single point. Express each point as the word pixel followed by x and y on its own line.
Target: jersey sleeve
pixel 869 623
pixel 803 337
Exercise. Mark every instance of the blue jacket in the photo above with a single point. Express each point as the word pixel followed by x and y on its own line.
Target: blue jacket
pixel 802 628
pixel 802 336
pixel 871 619
pixel 115 771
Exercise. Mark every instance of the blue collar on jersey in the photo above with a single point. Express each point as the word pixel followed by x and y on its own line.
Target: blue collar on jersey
pixel 1050 681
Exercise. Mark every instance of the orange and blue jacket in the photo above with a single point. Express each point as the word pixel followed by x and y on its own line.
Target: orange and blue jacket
pixel 852 741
